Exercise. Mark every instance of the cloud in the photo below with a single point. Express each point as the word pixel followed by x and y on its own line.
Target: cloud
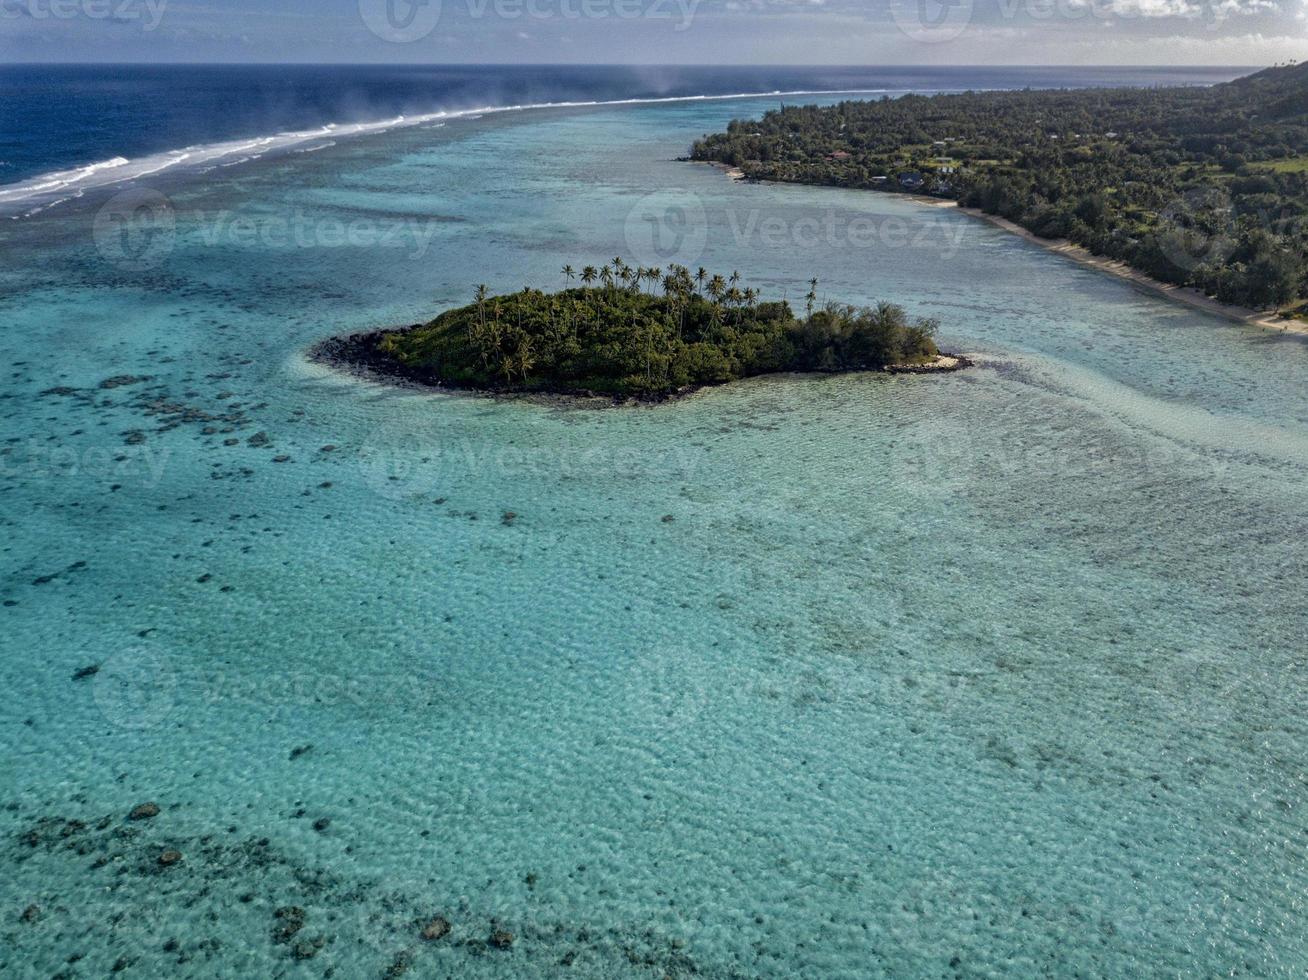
pixel 1187 9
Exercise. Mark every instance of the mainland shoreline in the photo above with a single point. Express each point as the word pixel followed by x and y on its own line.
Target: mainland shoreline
pixel 1119 269
pixel 1077 253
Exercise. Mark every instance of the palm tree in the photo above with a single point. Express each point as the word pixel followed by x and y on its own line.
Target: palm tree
pixel 589 275
pixel 481 304
pixel 717 287
pixel 700 276
pixel 493 337
pixel 672 293
pixel 685 283
pixel 811 298
pixel 524 357
pixel 734 299
pixel 568 274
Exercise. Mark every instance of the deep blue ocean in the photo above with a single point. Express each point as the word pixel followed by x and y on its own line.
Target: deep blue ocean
pixel 994 674
pixel 54 117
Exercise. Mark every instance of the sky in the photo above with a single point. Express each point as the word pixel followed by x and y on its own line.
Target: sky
pixel 836 32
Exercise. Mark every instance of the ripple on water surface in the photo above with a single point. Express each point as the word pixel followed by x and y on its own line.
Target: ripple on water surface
pixel 994 673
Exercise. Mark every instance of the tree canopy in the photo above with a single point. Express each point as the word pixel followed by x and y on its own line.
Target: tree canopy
pixel 649 333
pixel 1198 186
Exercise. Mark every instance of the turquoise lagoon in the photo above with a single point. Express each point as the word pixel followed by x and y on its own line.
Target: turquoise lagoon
pixel 1000 673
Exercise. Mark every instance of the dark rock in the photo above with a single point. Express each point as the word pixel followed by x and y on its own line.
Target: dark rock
pixel 118 380
pixel 121 964
pixel 134 438
pixel 31 914
pixel 437 928
pixel 170 857
pixel 322 823
pixel 399 966
pixel 281 459
pixel 943 364
pixel 501 939
pixel 259 439
pixel 508 518
pixel 290 921
pixel 82 673
pixel 307 949
pixel 144 811
pixel 299 750
pixel 668 518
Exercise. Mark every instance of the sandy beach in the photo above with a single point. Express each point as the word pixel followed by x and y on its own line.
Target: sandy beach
pixel 1181 294
pixel 1114 267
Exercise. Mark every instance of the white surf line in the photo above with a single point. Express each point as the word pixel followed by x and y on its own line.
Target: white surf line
pixel 119 169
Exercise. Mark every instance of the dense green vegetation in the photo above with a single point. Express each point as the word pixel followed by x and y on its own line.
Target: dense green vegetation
pixel 648 333
pixel 1206 187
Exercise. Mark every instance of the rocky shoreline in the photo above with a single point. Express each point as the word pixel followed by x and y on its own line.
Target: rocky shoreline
pixel 206 897
pixel 942 363
pixel 358 355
